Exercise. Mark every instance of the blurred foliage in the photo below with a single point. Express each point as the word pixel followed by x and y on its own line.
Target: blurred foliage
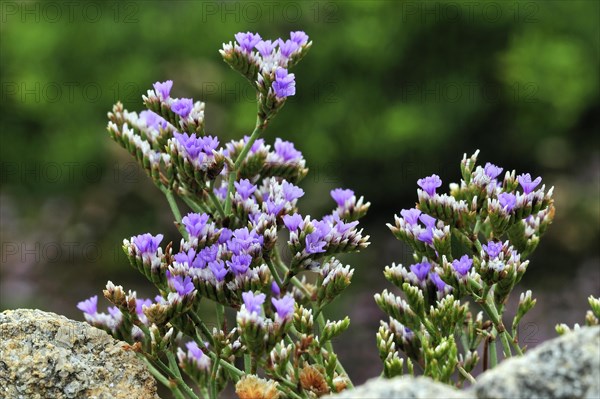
pixel 391 91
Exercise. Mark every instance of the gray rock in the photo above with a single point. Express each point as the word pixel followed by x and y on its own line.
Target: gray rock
pixel 404 387
pixel 565 367
pixel 44 355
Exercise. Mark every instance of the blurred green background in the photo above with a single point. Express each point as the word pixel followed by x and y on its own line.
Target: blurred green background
pixel 391 91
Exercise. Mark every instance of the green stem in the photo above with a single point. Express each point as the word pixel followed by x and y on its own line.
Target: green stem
pixel 220 315
pixel 199 323
pixel 213 380
pixel 196 207
pixel 329 347
pixel 260 126
pixel 492 349
pixel 490 308
pixel 179 381
pixel 216 203
pixel 175 210
pixel 274 273
pixel 237 372
pixel 247 364
pixel 173 363
pixel 466 374
pixel 157 374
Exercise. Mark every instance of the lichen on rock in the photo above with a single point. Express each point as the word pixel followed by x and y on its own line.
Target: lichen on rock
pixel 44 355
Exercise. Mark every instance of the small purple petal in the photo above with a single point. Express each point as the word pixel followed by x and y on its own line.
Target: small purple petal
pixel 284 306
pixel 182 106
pixel 508 201
pixel 421 270
pixel 299 37
pixel 429 184
pixel 163 89
pixel 527 184
pixel 462 265
pixel 341 196
pixel 253 302
pixel 492 171
pixel 89 306
pixel 411 216
pixel 247 40
pixel 292 222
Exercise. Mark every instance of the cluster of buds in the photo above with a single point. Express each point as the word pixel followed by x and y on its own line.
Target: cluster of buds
pixel 592 317
pixel 243 198
pixel 469 243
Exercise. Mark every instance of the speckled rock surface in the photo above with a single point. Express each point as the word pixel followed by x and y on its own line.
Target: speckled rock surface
pixel 44 355
pixel 565 367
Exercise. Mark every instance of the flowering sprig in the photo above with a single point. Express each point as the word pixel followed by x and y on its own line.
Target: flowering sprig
pixel 470 243
pixel 592 317
pixel 243 199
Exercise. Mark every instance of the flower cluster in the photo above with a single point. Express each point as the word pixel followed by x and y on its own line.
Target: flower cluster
pixel 469 243
pixel 244 245
pixel 266 64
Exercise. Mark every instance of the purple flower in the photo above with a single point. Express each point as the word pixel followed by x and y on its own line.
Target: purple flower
pixel 247 40
pixel 421 270
pixel 492 171
pixel 299 37
pixel 287 47
pixel 411 216
pixel 314 244
pixel 194 223
pixel 265 47
pixel 275 290
pixel 284 306
pixel 182 106
pixel 225 235
pixel 114 311
pixel 209 254
pixel 284 84
pixel 286 150
pixel 89 306
pixel 253 302
pixel 239 264
pixel 194 351
pixel 184 257
pixel 462 265
pixel 182 285
pixel 426 236
pixel 493 249
pixel 193 145
pixel 147 243
pixel 343 227
pixel 439 283
pixel 322 227
pixel 244 188
pixel 292 222
pixel 427 220
pixel 139 305
pixel 163 89
pixel 527 184
pixel 341 195
pixel 153 120
pixel 274 208
pixel 291 192
pixel 508 201
pixel 429 184
pixel 218 269
pixel 209 143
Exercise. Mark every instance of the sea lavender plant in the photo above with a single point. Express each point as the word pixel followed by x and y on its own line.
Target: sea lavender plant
pixel 469 244
pixel 243 199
